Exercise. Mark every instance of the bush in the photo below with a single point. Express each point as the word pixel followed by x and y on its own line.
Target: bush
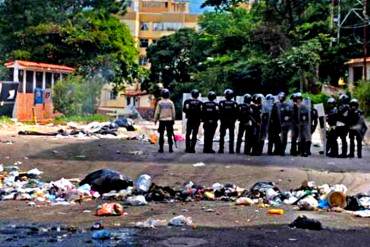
pixel 77 95
pixel 362 93
pixel 317 98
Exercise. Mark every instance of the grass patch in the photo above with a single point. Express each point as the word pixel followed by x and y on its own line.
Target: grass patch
pixel 6 120
pixel 81 119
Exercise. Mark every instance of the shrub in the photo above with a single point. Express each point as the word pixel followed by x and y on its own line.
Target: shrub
pixel 362 93
pixel 77 95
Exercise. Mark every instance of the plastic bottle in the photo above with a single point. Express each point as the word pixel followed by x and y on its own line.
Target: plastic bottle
pixel 143 183
pixel 276 211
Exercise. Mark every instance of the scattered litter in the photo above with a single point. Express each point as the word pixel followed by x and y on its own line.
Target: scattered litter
pixel 306 223
pixel 143 183
pixel 110 209
pixel 276 211
pixel 180 220
pixel 101 234
pixel 244 201
pixel 363 213
pixel 199 164
pixel 151 223
pixel 136 200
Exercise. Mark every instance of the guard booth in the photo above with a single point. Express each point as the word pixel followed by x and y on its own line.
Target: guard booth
pixel 36 82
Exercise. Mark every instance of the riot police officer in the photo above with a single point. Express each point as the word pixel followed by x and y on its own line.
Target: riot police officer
pixel 342 128
pixel 282 117
pixel 192 109
pixel 165 114
pixel 331 136
pixel 295 124
pixel 273 128
pixel 357 128
pixel 245 124
pixel 258 136
pixel 210 115
pixel 228 115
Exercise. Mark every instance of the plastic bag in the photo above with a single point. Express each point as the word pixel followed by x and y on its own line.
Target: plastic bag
pixel 110 209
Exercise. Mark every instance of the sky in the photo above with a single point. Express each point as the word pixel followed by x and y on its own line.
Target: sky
pixel 195 6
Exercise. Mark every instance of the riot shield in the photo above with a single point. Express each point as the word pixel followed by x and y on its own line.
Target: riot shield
pixel 304 118
pixel 266 116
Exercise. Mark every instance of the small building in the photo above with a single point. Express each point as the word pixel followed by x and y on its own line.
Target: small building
pixel 36 82
pixel 356 70
pixel 112 103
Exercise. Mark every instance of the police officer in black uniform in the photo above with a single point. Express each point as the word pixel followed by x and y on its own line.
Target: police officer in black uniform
pixel 357 128
pixel 210 115
pixel 192 109
pixel 228 115
pixel 282 112
pixel 274 128
pixel 331 136
pixel 295 125
pixel 257 145
pixel 342 128
pixel 245 125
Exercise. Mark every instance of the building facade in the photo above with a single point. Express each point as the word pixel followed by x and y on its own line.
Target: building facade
pixel 150 20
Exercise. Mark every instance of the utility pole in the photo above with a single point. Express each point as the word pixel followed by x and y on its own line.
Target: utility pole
pixel 366 22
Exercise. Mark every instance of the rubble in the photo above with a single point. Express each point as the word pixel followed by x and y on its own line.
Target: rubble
pixel 107 184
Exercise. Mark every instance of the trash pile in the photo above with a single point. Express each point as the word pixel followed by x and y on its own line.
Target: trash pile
pixel 114 128
pixel 111 185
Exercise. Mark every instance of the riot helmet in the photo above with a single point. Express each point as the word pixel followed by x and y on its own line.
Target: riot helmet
pixel 354 104
pixel 247 98
pixel 269 97
pixel 195 93
pixel 211 95
pixel 343 99
pixel 281 97
pixel 229 94
pixel 165 93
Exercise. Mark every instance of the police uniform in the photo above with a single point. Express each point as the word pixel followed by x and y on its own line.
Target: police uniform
pixel 193 110
pixel 342 128
pixel 257 116
pixel 245 127
pixel 357 129
pixel 228 112
pixel 284 115
pixel 331 136
pixel 210 115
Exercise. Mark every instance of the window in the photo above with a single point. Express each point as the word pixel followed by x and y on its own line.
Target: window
pixel 48 79
pixel 20 79
pixel 29 82
pixel 144 26
pixel 39 79
pixel 158 26
pixel 167 26
pixel 144 43
pixel 358 73
pixel 113 95
pixel 56 77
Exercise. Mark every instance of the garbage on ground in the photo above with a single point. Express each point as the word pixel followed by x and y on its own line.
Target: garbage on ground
pixel 308 203
pixel 180 220
pixel 244 201
pixel 363 213
pixel 106 180
pixel 151 223
pixel 110 209
pixel 199 164
pixel 276 211
pixel 101 234
pixel 303 222
pixel 143 183
pixel 136 200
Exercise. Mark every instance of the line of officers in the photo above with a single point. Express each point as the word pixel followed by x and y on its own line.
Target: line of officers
pixel 271 118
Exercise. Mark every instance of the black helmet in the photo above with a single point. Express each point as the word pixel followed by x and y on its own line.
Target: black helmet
pixel 165 93
pixel 343 98
pixel 331 101
pixel 297 96
pixel 247 98
pixel 195 93
pixel 212 95
pixel 270 97
pixel 282 96
pixel 258 98
pixel 354 103
pixel 229 94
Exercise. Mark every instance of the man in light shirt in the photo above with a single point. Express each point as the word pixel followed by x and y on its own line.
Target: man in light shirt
pixel 165 114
